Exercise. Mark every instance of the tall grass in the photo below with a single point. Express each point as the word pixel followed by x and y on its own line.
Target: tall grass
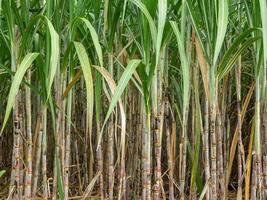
pixel 133 99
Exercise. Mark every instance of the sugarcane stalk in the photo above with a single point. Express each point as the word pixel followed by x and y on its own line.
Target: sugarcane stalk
pixel 254 180
pixel 220 156
pixel 28 177
pixel 67 147
pixel 110 159
pixel 206 146
pixel 257 145
pixel 37 158
pixel 169 150
pixel 239 127
pixel 60 129
pixel 44 154
pixel 158 123
pixel 110 147
pixel 146 160
pixel 15 173
pixel 213 137
pixel 100 167
pixel 264 152
pixel 78 165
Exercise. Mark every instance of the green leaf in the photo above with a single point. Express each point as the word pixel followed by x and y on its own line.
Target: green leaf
pixel 54 43
pixel 2 172
pixel 228 62
pixel 54 59
pixel 125 77
pixel 86 68
pixel 162 9
pixel 222 26
pixel 112 87
pixel 114 22
pixel 94 36
pixel 185 67
pixel 263 8
pixel 9 18
pixel 232 50
pixel 151 23
pixel 196 25
pixel 22 68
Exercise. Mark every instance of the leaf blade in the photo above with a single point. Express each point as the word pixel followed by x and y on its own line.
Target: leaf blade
pixel 25 64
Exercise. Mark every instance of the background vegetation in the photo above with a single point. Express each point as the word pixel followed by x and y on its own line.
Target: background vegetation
pixel 133 99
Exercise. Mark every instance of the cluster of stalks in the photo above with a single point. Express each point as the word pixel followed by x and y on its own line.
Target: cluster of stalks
pixel 133 99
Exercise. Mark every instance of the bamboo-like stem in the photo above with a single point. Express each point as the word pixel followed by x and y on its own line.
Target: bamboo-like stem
pixel 239 127
pixel 78 165
pixel 37 158
pixel 206 146
pixel 155 54
pixel 183 166
pixel 28 177
pixel 264 152
pixel 60 130
pixel 257 167
pixel 139 149
pixel 17 156
pixel 110 159
pixel 264 176
pixel 88 166
pixel 224 124
pixel 15 173
pixel 259 176
pixel 193 141
pixel 100 167
pixel 248 165
pixel 220 157
pixel 213 149
pixel 21 150
pixel 67 147
pixel 12 177
pixel 228 126
pixel 44 154
pixel 254 180
pixel 146 162
pixel 88 159
pixel 111 143
pixel 169 151
pixel 158 114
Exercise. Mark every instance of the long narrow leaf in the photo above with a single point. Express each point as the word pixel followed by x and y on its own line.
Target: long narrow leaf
pixel 94 37
pixel 162 9
pixel 222 26
pixel 86 68
pixel 22 68
pixel 126 76
pixel 151 23
pixel 185 67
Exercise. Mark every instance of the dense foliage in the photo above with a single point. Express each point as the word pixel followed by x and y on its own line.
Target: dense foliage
pixel 133 99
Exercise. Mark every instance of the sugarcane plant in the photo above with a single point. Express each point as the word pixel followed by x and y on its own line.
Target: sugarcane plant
pixel 133 99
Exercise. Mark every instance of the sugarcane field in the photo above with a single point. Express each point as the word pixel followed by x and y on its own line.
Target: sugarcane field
pixel 133 99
